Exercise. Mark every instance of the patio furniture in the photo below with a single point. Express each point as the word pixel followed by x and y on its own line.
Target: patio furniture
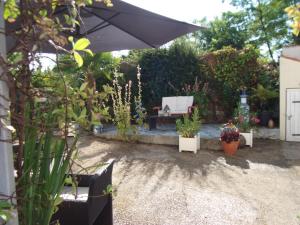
pixel 172 108
pixel 178 105
pixel 154 119
pixel 89 205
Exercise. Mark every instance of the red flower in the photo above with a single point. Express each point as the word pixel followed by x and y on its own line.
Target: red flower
pixel 254 119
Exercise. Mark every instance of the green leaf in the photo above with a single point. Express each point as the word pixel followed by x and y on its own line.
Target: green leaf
pixel 76 22
pixel 4 215
pixel 43 12
pixel 54 4
pixel 78 59
pixel 83 86
pixel 96 122
pixel 57 111
pixel 83 95
pixel 83 114
pixel 4 205
pixel 57 201
pixel 11 11
pixel 71 39
pixel 89 52
pixel 4 210
pixel 81 44
pixel 69 180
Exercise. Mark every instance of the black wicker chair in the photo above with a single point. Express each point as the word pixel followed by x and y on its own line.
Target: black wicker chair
pixel 90 206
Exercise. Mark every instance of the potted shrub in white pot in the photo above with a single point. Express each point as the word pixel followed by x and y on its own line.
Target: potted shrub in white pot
pixel 188 129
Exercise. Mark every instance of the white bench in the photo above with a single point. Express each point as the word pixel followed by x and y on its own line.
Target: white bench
pixel 178 105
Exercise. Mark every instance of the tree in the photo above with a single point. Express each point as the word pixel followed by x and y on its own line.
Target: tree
pixel 267 23
pixel 229 30
pixel 294 13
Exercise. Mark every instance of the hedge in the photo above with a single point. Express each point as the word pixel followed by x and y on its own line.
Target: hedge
pixel 226 71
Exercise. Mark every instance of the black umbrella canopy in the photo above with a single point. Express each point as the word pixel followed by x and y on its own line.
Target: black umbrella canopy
pixel 125 26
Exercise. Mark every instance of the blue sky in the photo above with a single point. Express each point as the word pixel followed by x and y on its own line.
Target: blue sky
pixel 183 10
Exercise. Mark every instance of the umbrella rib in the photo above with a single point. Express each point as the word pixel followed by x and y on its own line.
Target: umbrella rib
pixel 100 25
pixel 95 14
pixel 99 28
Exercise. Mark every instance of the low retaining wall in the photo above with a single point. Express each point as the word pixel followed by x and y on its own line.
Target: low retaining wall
pixel 209 144
pixel 209 136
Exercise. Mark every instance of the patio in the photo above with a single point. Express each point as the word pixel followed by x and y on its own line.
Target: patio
pixel 158 185
pixel 166 135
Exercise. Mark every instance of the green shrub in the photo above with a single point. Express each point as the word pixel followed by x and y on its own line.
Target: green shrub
pixel 167 72
pixel 164 71
pixel 188 128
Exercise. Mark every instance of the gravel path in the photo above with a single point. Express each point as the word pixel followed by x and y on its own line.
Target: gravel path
pixel 157 185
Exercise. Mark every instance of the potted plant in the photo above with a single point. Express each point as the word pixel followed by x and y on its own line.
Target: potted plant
pixel 265 95
pixel 230 138
pixel 188 129
pixel 246 123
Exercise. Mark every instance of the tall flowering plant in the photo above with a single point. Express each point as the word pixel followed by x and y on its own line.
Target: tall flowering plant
pixel 122 106
pixel 121 98
pixel 141 113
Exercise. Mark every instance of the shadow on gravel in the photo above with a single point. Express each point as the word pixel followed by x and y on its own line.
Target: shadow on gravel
pixel 166 159
pixel 271 152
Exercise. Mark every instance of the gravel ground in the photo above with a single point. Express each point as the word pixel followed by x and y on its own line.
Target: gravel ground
pixel 157 185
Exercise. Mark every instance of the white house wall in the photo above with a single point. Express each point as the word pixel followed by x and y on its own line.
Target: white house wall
pixel 289 78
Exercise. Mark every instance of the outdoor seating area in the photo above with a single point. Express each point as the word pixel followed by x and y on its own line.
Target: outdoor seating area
pixel 171 108
pixel 128 112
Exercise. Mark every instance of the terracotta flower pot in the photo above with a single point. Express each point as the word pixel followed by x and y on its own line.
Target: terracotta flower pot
pixel 230 148
pixel 271 124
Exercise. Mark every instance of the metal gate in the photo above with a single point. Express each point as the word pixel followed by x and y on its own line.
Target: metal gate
pixel 293 115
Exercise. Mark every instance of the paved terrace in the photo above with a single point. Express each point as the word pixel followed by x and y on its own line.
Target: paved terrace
pixel 157 185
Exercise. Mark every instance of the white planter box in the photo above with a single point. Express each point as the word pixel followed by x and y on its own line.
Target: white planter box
pixel 189 144
pixel 248 137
